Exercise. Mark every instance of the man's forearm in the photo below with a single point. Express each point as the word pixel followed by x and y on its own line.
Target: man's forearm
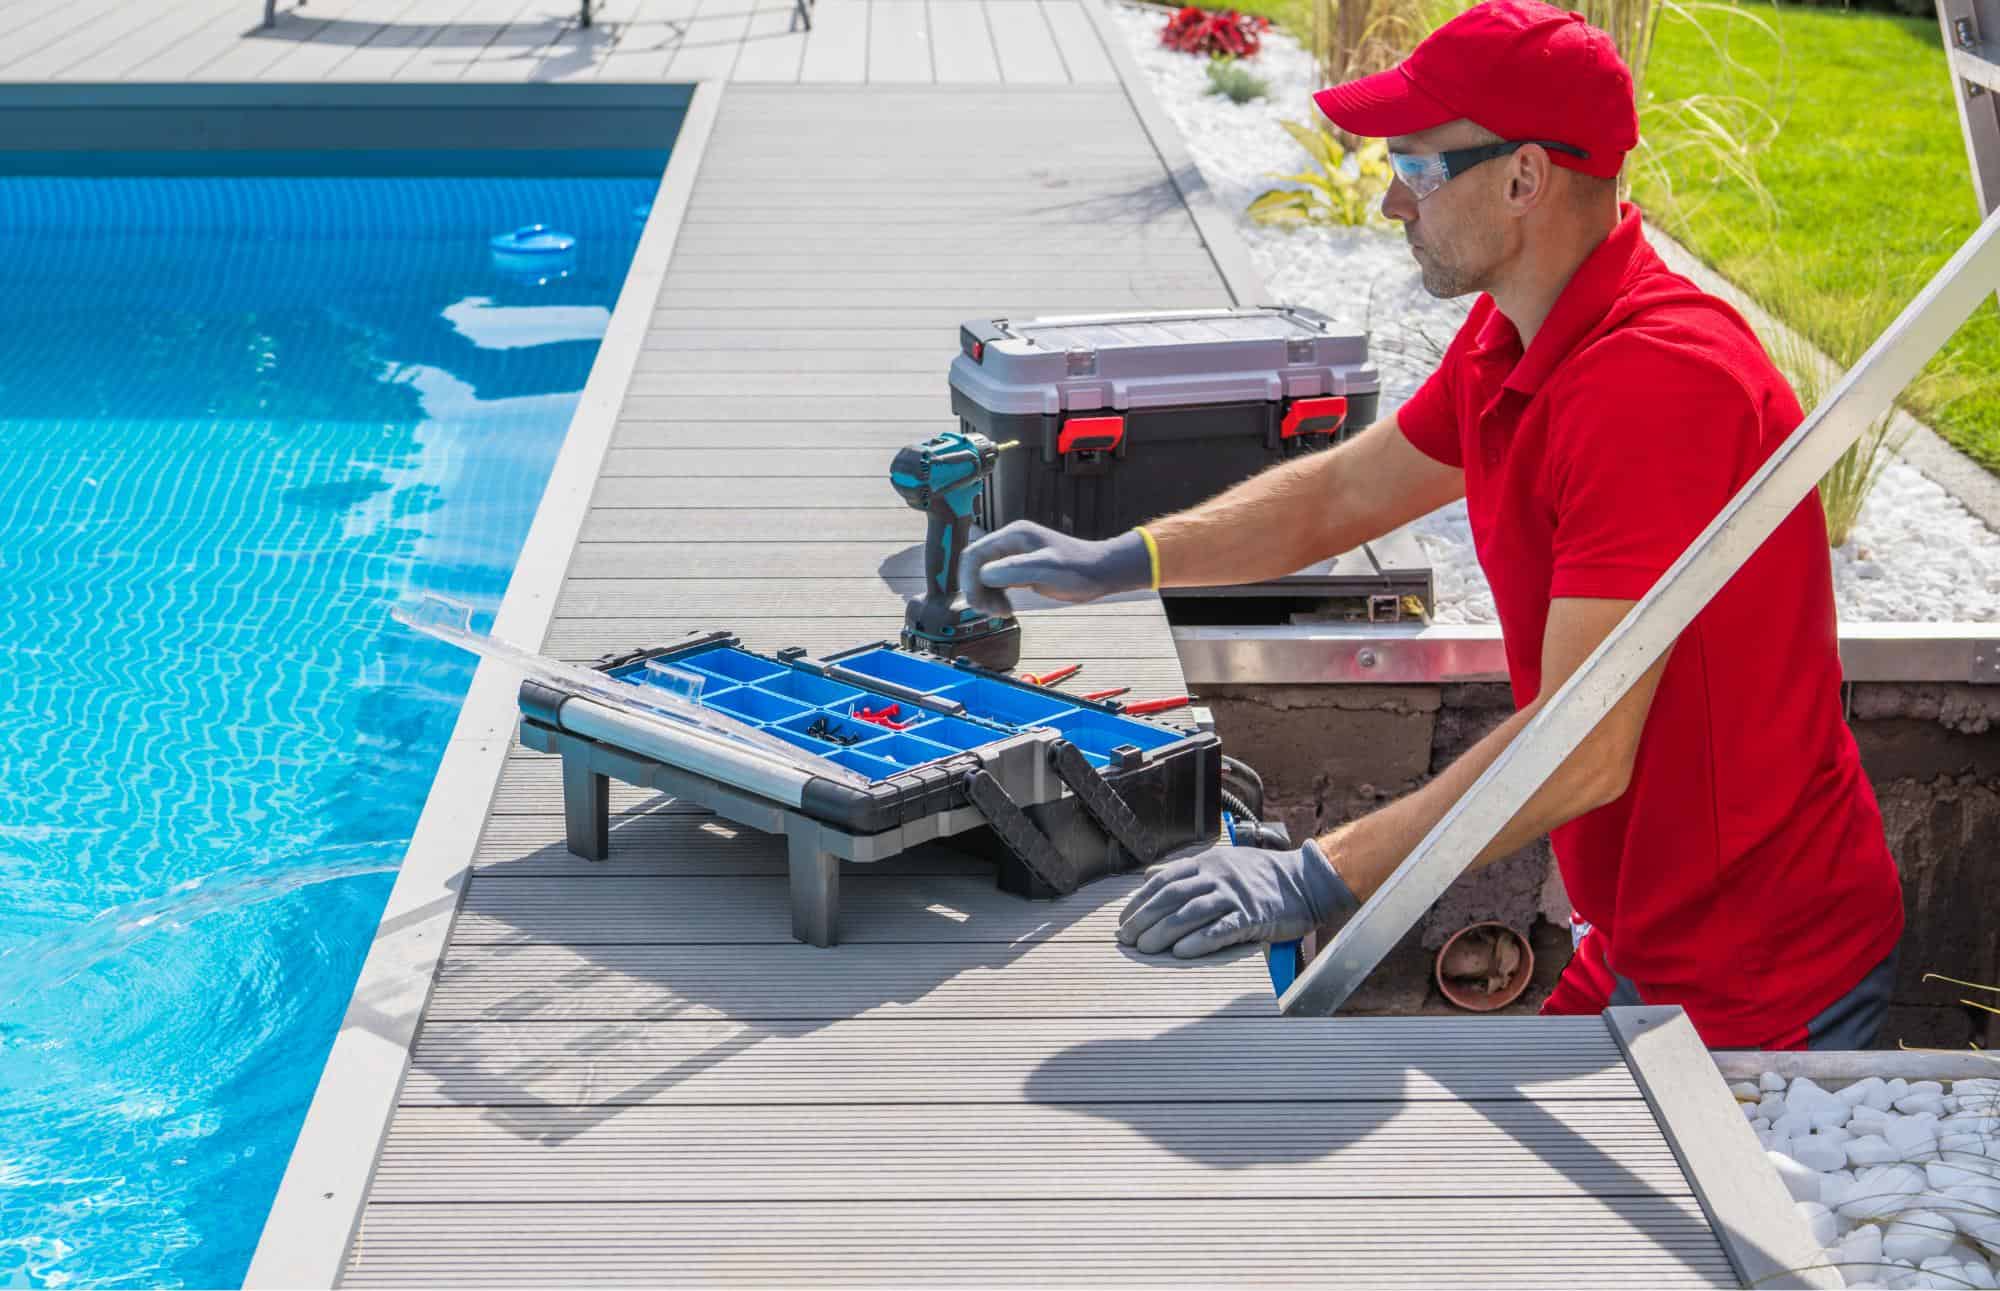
pixel 1367 851
pixel 1268 526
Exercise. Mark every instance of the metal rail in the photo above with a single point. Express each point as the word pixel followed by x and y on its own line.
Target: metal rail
pixel 1652 626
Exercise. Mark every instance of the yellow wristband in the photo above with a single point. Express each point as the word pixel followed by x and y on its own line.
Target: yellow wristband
pixel 1152 552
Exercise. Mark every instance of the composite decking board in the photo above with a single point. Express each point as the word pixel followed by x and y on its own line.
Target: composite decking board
pixel 899 43
pixel 1071 639
pixel 907 982
pixel 962 44
pixel 1030 1151
pixel 1500 1241
pixel 836 51
pixel 773 47
pixel 749 910
pixel 586 598
pixel 1108 1060
pixel 1082 52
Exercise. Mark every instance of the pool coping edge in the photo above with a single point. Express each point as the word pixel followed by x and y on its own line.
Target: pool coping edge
pixel 324 1190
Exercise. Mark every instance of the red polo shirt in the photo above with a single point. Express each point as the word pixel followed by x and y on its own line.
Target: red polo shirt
pixel 1744 875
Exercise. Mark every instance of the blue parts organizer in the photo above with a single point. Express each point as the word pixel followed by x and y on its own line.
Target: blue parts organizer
pixel 1057 791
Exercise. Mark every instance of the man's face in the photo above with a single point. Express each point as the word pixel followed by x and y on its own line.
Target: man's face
pixel 1456 233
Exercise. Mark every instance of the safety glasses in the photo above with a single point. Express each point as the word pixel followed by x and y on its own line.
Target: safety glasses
pixel 1424 173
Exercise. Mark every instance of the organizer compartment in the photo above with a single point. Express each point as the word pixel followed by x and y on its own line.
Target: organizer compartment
pixel 730 664
pixel 753 704
pixel 904 750
pixel 921 675
pixel 997 701
pixel 1097 734
pixel 815 691
pixel 952 733
pixel 839 723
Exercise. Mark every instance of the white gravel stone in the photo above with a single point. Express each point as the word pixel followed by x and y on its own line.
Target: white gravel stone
pixel 1820 1222
pixel 1881 1192
pixel 1772 1082
pixel 1746 1092
pixel 1801 1182
pixel 1916 1235
pixel 1793 1124
pixel 1870 1150
pixel 1772 1107
pixel 1916 555
pixel 1863 1245
pixel 1915 1137
pixel 1815 1153
pixel 1946 1174
pixel 1858 1092
pixel 1920 1104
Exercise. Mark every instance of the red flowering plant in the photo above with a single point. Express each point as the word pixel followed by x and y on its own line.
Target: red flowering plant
pixel 1228 33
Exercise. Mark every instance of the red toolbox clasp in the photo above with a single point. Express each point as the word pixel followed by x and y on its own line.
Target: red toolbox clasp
pixel 1311 424
pixel 1087 441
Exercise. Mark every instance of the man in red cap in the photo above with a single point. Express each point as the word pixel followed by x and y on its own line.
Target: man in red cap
pixel 1716 833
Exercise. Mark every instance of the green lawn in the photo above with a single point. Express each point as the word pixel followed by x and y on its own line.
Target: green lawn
pixel 1870 179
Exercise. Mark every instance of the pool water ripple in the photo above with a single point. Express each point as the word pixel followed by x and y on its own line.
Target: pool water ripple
pixel 237 423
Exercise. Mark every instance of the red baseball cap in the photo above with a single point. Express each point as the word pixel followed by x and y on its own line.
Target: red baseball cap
pixel 1520 68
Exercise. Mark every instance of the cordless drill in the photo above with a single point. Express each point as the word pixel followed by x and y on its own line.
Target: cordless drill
pixel 945 478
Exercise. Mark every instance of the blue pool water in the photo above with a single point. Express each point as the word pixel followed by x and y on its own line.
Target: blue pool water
pixel 239 419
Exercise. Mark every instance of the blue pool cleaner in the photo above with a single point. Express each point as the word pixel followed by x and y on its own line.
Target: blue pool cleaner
pixel 533 248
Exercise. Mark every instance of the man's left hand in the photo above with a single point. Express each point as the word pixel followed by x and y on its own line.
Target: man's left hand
pixel 1225 895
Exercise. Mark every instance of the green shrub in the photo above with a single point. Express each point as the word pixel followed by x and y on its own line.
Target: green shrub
pixel 1346 187
pixel 1846 330
pixel 1232 80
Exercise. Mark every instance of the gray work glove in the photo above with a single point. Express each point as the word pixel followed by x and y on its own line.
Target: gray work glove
pixel 1199 904
pixel 1055 565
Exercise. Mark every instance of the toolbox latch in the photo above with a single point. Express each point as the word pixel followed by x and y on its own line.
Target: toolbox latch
pixel 1086 443
pixel 1312 424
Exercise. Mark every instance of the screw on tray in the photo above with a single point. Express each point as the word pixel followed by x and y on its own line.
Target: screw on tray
pixel 821 729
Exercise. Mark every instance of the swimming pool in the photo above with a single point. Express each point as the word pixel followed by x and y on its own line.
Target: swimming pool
pixel 240 418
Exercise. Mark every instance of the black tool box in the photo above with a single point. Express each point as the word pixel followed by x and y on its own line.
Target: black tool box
pixel 1125 418
pixel 1056 790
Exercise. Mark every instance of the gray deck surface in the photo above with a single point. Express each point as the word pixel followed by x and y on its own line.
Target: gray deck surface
pixel 888 42
pixel 630 1072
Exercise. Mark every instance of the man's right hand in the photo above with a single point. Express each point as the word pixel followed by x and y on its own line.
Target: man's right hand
pixel 1051 564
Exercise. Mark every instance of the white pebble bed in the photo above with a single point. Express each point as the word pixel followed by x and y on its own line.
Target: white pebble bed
pixel 1916 554
pixel 1898 1180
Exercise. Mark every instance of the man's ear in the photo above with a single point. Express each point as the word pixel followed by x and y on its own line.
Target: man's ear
pixel 1529 177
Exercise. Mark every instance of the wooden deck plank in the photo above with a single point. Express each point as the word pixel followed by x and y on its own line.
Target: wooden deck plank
pixel 1576 1241
pixel 519 50
pixel 774 47
pixel 1024 43
pixel 746 911
pixel 714 41
pixel 1076 39
pixel 836 50
pixel 385 55
pixel 357 26
pixel 962 44
pixel 1066 638
pixel 899 43
pixel 649 38
pixel 597 1064
pixel 92 43
pixel 448 54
